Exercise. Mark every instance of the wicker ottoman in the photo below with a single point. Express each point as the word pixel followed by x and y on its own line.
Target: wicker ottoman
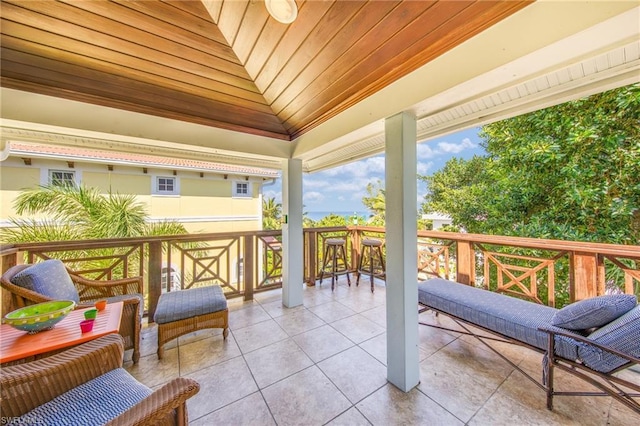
pixel 182 312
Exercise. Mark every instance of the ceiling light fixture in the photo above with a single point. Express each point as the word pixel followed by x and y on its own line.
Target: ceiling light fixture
pixel 285 11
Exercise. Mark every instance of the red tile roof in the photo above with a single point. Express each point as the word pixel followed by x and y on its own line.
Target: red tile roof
pixel 76 153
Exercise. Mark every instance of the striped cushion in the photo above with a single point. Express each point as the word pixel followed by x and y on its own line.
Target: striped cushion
pixel 179 305
pixel 49 278
pixel 623 334
pixel 92 403
pixel 594 312
pixel 506 315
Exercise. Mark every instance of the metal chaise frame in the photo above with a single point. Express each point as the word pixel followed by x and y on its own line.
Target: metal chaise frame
pixel 609 384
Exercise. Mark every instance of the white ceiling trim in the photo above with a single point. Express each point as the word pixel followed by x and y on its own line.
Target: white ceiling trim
pixel 40 133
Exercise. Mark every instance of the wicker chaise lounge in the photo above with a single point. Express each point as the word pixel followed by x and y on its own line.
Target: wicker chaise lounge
pixel 592 339
pixel 87 385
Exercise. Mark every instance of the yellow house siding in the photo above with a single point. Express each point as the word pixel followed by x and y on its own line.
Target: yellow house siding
pixel 130 183
pixel 12 181
pixel 203 204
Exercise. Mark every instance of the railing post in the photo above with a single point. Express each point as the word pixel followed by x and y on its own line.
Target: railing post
pixel 155 276
pixel 248 263
pixel 312 237
pixel 355 249
pixel 583 281
pixel 465 263
pixel 7 261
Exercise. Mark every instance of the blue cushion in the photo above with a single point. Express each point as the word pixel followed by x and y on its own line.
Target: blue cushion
pixel 93 403
pixel 594 312
pixel 179 305
pixel 622 334
pixel 49 278
pixel 506 315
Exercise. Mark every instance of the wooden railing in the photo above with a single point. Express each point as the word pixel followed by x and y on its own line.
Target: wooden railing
pixel 551 272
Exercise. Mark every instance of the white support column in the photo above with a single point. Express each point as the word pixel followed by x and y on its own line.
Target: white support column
pixel 402 252
pixel 292 240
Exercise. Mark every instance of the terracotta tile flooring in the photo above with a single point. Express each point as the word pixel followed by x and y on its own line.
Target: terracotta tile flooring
pixel 325 363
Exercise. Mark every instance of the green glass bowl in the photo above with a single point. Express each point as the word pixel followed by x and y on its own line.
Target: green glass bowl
pixel 43 316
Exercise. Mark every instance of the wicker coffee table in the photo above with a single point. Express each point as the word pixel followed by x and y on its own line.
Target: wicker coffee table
pixel 185 311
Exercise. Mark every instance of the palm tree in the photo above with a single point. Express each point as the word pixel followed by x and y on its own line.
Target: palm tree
pixel 376 203
pixel 271 213
pixel 79 212
pixel 82 213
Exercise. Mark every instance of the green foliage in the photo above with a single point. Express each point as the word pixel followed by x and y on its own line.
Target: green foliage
pixel 458 190
pixel 570 172
pixel 375 202
pixel 271 214
pixel 331 220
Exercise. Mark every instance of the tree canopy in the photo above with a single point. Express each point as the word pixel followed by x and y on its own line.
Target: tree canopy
pixel 571 171
pixel 375 202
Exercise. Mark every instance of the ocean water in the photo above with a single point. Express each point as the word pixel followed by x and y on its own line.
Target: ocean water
pixel 315 216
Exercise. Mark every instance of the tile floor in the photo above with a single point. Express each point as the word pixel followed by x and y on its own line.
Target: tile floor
pixel 325 363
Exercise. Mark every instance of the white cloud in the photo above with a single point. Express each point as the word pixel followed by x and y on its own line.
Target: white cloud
pixel 312 197
pixel 363 168
pixel 428 151
pixel 454 148
pixel 424 151
pixel 314 183
pixel 423 168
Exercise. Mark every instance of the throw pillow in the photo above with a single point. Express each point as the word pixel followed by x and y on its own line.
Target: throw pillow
pixel 594 312
pixel 49 278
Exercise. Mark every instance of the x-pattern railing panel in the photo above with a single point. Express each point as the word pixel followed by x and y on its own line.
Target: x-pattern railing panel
pixel 100 263
pixel 211 263
pixel 519 274
pixel 271 262
pixel 433 259
pixel 631 271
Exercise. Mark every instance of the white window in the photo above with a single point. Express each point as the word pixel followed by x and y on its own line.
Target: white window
pixel 62 178
pixel 242 189
pixel 166 185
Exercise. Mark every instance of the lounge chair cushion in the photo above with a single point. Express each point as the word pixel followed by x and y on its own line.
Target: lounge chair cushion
pixel 622 334
pixel 509 316
pixel 92 403
pixel 49 278
pixel 594 312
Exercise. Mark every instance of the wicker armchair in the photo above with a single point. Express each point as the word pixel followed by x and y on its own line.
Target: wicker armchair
pixel 127 290
pixel 97 390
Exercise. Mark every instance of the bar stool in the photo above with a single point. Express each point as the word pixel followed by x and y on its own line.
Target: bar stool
pixel 335 258
pixel 371 261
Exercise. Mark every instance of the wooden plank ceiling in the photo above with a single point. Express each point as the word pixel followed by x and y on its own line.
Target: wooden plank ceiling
pixel 227 63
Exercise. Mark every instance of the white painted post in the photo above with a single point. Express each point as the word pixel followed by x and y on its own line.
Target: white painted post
pixel 292 240
pixel 401 240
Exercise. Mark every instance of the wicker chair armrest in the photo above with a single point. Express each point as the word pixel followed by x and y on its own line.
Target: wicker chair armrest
pixel 134 300
pixel 161 404
pixel 26 386
pixel 586 341
pixel 107 283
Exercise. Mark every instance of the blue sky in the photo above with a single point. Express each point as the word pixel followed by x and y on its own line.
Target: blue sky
pixel 341 189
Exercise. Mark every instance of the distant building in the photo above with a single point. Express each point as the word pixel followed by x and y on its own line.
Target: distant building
pixel 204 196
pixel 438 219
